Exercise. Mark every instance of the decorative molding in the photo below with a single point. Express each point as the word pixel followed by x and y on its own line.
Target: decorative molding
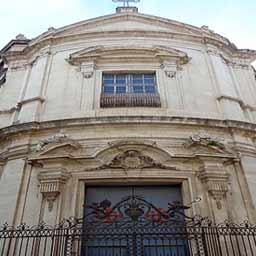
pixel 227 97
pixel 133 159
pixel 234 64
pixel 51 184
pixel 128 53
pixel 31 100
pixel 119 143
pixel 204 139
pixel 205 123
pixel 213 52
pixel 216 183
pixel 57 138
pixel 183 32
pixel 87 69
pixel 239 101
pixel 248 106
pixel 170 69
pixel 8 111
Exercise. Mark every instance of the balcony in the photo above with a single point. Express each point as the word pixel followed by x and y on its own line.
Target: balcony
pixel 114 100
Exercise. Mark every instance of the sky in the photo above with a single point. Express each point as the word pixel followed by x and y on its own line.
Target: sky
pixel 234 19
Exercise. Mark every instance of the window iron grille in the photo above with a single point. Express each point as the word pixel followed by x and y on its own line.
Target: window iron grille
pixel 129 90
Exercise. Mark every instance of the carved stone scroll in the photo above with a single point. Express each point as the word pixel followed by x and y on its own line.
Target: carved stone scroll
pixel 57 138
pixel 51 184
pixel 216 184
pixel 206 140
pixel 133 159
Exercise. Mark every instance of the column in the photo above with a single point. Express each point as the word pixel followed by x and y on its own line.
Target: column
pixel 51 185
pixel 215 179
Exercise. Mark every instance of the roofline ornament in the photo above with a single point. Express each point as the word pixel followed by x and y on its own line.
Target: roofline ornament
pixel 126 2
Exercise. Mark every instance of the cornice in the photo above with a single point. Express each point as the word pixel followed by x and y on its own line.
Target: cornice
pixel 230 125
pixel 191 34
pixel 8 111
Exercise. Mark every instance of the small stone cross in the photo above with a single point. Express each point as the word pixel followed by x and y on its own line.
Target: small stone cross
pixel 126 2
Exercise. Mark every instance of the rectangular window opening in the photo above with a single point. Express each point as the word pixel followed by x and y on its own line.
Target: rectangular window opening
pixel 129 90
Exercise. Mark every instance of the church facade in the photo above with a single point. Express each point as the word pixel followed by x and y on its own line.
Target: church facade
pixel 126 102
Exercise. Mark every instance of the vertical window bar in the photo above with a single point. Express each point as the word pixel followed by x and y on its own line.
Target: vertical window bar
pixel 132 83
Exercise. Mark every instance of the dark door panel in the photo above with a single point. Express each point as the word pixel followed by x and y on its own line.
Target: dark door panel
pixel 119 235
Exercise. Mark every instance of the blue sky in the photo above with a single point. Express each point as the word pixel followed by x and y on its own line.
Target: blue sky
pixel 235 19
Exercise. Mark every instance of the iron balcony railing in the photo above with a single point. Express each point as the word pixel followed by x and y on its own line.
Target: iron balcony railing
pixel 110 100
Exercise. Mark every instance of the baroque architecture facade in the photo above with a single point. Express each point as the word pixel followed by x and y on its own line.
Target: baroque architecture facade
pixel 126 99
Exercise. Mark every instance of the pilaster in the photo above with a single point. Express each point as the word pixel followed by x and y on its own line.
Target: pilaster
pixel 215 179
pixel 87 95
pixel 51 184
pixel 2 164
pixel 227 95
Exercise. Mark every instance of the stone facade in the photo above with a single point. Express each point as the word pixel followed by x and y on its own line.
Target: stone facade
pixel 55 138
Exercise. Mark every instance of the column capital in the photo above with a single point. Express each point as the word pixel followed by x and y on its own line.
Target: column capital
pixel 87 69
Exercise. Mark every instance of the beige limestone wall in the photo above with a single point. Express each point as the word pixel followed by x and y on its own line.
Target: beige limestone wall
pixel 249 166
pixel 22 199
pixel 205 87
pixel 10 188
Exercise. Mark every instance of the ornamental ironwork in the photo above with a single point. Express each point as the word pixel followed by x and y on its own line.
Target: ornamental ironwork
pixel 111 100
pixel 135 211
pixel 131 227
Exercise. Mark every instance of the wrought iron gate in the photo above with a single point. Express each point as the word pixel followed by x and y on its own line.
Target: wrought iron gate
pixel 131 227
pixel 135 226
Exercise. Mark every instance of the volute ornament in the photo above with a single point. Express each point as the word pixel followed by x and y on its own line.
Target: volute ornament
pixel 204 139
pixel 57 138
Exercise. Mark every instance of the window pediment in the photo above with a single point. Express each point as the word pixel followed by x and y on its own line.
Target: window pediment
pixel 133 53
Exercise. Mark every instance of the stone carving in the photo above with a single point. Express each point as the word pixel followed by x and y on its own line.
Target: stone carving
pixel 57 138
pixel 87 69
pixel 20 37
pixel 125 53
pixel 216 184
pixel 51 184
pixel 133 159
pixel 204 139
pixel 171 69
pixel 170 74
pixel 3 70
